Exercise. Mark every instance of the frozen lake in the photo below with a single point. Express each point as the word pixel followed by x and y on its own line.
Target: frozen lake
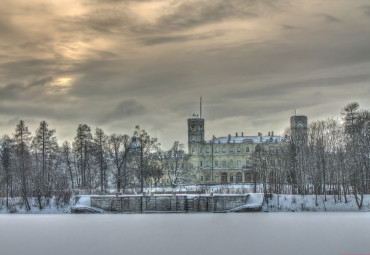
pixel 250 233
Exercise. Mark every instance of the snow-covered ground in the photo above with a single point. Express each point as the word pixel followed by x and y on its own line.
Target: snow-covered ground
pixel 306 203
pixel 50 207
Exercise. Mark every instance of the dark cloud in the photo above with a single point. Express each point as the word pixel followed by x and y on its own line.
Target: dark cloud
pixel 123 110
pixel 14 91
pixel 179 38
pixel 28 68
pixel 366 9
pixel 328 18
pixel 324 84
pixel 197 13
pixel 289 27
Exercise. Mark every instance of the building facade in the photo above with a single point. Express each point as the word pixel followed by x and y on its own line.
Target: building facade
pixel 228 159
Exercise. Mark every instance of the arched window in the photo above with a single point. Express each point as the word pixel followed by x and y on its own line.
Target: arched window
pixel 224 178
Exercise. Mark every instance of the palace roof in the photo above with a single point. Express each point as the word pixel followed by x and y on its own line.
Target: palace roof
pixel 246 139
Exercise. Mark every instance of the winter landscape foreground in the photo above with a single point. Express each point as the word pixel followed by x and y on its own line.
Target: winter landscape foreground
pixel 254 233
pixel 274 203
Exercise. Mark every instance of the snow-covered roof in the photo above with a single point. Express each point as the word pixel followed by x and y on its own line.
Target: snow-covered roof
pixel 247 139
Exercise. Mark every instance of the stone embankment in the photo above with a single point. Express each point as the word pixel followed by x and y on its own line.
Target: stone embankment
pixel 170 203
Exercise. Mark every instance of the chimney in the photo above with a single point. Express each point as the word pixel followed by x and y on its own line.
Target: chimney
pixel 269 133
pixel 242 134
pixel 272 133
pixel 229 138
pixel 236 134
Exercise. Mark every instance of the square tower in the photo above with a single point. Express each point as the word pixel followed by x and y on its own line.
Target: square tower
pixel 298 126
pixel 195 132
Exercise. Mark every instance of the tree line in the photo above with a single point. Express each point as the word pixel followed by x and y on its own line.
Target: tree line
pixel 37 166
pixel 333 158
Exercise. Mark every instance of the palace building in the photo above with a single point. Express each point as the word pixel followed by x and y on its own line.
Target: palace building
pixel 227 159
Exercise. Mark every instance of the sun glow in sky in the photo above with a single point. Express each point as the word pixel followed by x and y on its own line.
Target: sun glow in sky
pixel 63 82
pixel 118 63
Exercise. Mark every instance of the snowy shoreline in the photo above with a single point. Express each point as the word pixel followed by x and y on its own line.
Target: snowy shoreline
pixel 276 203
pixel 306 203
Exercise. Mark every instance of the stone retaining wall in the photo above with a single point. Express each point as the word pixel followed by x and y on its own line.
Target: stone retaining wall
pixel 168 203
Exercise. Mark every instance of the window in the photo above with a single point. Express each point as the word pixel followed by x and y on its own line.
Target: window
pixel 216 150
pixel 247 149
pixel 207 163
pixel 238 149
pixel 231 178
pixel 201 178
pixel 168 180
pixel 248 177
pixel 223 150
pixel 224 178
pixel 247 163
pixel 238 177
pixel 231 163
pixel 231 149
pixel 192 150
pixel 207 150
pixel 201 163
pixel 207 178
pixel 239 163
pixel 200 150
pixel 216 163
pixel 224 164
pixel 193 137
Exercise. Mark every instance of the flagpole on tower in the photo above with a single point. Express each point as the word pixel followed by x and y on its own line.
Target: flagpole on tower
pixel 200 107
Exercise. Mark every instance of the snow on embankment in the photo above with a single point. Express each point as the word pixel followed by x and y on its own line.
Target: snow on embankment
pixel 254 203
pixel 306 203
pixel 83 205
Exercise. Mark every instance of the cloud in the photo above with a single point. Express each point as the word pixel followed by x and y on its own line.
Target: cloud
pixel 123 110
pixel 328 18
pixel 14 91
pixel 197 13
pixel 154 40
pixel 146 62
pixel 366 9
pixel 289 27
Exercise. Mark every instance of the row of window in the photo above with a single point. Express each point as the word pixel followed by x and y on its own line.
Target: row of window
pixel 224 163
pixel 231 150
pixel 237 178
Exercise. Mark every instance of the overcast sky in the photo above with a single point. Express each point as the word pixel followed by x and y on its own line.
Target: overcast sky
pixel 115 64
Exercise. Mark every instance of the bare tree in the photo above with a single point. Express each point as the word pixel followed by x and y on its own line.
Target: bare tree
pixel 45 145
pixel 69 162
pixel 176 164
pixel 119 153
pixel 147 146
pixel 101 151
pixel 7 160
pixel 82 149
